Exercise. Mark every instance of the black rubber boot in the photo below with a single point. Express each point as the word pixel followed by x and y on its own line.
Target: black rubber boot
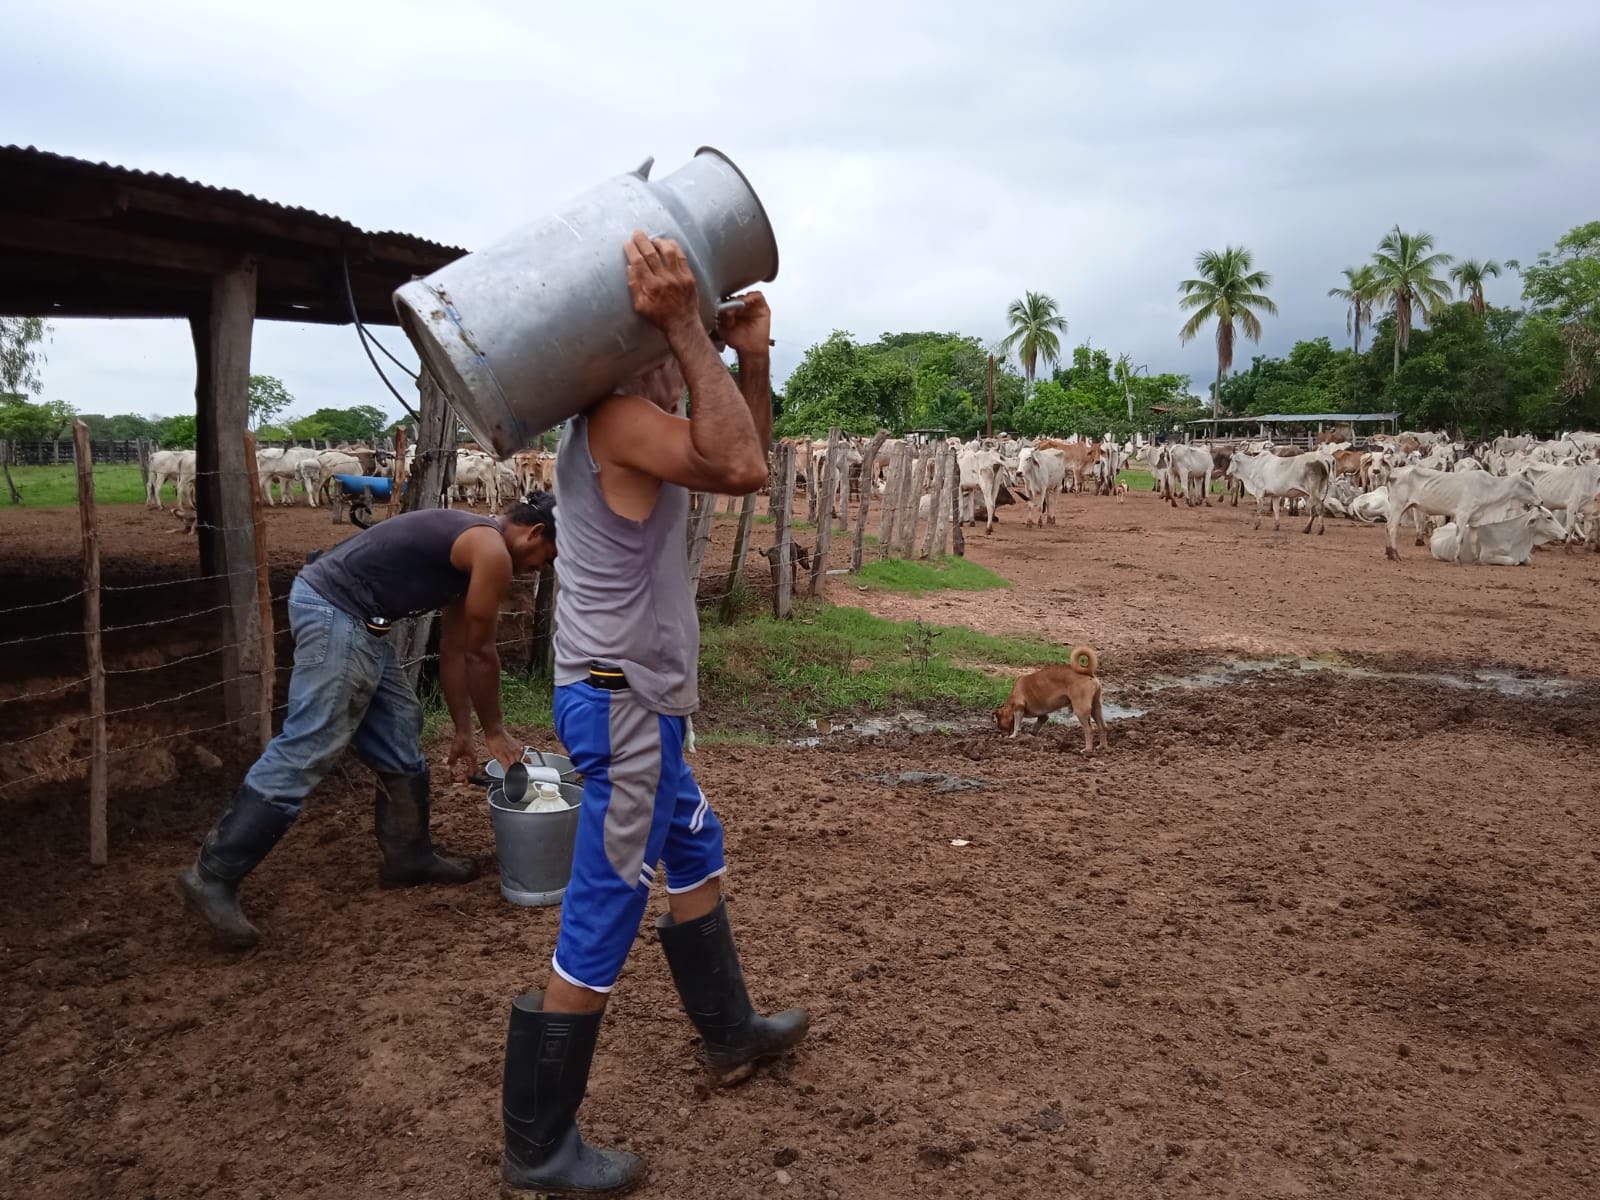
pixel 547 1073
pixel 705 967
pixel 241 838
pixel 402 823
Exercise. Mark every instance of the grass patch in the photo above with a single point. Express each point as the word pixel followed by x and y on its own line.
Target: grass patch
pixel 57 486
pixel 1137 481
pixel 761 678
pixel 767 674
pixel 919 576
pixel 801 526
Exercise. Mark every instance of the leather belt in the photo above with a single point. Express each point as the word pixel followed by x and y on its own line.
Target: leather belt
pixel 607 677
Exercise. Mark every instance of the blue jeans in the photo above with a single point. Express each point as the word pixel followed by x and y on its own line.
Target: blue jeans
pixel 347 689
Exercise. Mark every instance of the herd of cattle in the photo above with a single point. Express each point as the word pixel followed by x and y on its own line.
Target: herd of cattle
pixel 479 479
pixel 1492 501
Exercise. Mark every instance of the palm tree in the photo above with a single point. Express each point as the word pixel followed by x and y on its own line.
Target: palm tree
pixel 1229 291
pixel 1469 276
pixel 1359 292
pixel 1407 280
pixel 1035 324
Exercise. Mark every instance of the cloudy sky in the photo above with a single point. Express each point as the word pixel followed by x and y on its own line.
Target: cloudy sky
pixel 921 170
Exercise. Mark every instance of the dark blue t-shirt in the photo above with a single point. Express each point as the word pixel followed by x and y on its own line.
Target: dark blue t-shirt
pixel 398 568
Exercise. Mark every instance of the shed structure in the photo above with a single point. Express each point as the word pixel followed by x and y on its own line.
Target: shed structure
pixel 87 239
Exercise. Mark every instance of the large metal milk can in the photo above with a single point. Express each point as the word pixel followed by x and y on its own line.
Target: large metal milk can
pixel 539 325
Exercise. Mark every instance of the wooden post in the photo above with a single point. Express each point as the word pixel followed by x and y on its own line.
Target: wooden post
pixel 783 567
pixel 741 548
pixel 143 448
pixel 889 505
pixel 435 464
pixel 91 631
pixel 941 471
pixel 541 654
pixel 958 540
pixel 701 539
pixel 226 533
pixel 813 483
pixel 397 471
pixel 869 457
pixel 258 520
pixel 837 449
pixel 5 469
pixel 940 520
pixel 906 538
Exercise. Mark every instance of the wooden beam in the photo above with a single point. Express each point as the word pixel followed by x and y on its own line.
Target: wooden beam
pixel 91 628
pixel 226 528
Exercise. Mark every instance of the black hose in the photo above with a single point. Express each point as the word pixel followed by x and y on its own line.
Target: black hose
pixel 361 332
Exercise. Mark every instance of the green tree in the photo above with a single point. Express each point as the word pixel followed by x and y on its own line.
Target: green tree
pixel 1563 287
pixel 1469 275
pixel 1360 291
pixel 21 356
pixel 363 423
pixel 1036 325
pixel 176 433
pixel 1227 291
pixel 842 384
pixel 1408 281
pixel 268 398
pixel 22 421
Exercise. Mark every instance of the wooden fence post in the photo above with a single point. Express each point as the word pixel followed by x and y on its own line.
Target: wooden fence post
pixel 783 566
pixel 143 447
pixel 869 457
pixel 906 540
pixel 958 540
pixel 935 501
pixel 269 673
pixel 741 547
pixel 5 469
pixel 91 630
pixel 838 448
pixel 397 471
pixel 939 522
pixel 889 505
pixel 435 464
pixel 541 654
pixel 813 484
pixel 700 538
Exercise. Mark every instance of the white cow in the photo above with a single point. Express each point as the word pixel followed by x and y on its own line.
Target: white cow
pixel 1275 480
pixel 1191 467
pixel 980 475
pixel 1371 507
pixel 1470 498
pixel 1043 472
pixel 476 478
pixel 1570 490
pixel 165 465
pixel 1506 543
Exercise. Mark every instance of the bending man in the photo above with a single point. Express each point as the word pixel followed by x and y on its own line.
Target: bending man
pixel 348 689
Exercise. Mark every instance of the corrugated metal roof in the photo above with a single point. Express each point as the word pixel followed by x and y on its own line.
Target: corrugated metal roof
pixel 177 184
pixel 1296 418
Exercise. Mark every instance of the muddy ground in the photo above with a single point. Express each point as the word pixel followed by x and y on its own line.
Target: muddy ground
pixel 1304 933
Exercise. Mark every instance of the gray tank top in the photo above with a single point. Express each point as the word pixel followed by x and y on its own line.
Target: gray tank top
pixel 398 568
pixel 624 595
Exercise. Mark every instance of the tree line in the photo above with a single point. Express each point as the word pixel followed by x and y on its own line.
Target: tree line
pixel 1474 368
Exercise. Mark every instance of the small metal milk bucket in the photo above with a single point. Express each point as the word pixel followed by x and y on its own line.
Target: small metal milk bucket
pixel 539 325
pixel 534 848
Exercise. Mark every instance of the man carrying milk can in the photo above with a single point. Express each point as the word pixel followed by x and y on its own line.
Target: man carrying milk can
pixel 348 690
pixel 627 644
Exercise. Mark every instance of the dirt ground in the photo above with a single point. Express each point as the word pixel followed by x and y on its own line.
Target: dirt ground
pixel 1303 934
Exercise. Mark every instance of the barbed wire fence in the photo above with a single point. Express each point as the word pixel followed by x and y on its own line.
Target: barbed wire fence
pixel 62 742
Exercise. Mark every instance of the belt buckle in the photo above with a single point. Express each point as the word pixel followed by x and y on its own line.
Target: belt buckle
pixel 379 626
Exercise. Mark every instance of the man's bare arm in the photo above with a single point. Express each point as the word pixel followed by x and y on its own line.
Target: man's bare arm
pixel 453 667
pixel 755 382
pixel 482 552
pixel 748 329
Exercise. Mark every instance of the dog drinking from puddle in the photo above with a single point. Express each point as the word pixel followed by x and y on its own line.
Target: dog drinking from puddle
pixel 1042 692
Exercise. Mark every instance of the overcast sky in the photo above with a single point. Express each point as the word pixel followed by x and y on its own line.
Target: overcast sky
pixel 920 170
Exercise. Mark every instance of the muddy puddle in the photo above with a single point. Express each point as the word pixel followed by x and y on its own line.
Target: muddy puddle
pixel 1139 696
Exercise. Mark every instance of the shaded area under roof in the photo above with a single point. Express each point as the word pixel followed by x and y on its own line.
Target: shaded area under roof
pixel 1296 418
pixel 85 239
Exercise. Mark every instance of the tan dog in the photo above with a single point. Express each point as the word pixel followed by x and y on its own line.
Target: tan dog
pixel 1121 490
pixel 1042 692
